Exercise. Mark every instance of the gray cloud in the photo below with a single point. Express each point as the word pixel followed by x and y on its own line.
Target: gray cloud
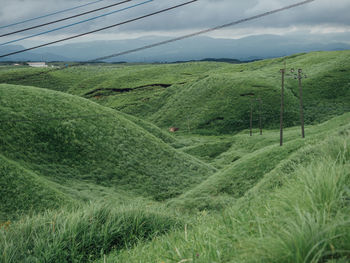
pixel 199 15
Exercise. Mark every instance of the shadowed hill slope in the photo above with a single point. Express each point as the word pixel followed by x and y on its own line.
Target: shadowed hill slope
pixel 151 128
pixel 64 138
pixel 23 191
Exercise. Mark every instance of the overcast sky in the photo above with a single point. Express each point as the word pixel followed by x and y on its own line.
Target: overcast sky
pixel 319 17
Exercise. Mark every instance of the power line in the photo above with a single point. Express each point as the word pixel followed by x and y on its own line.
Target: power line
pixel 51 14
pixel 169 41
pixel 63 19
pixel 100 29
pixel 203 31
pixel 77 23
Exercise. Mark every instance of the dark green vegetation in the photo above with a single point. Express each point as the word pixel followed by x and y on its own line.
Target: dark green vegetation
pixel 83 234
pixel 101 182
pixel 97 145
pixel 24 191
pixel 297 215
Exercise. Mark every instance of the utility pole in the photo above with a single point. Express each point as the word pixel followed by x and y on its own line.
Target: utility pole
pixel 301 103
pixel 283 71
pixel 300 76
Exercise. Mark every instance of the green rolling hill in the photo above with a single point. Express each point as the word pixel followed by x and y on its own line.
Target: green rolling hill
pixel 65 138
pixel 258 157
pixel 204 97
pixel 23 191
pixel 90 173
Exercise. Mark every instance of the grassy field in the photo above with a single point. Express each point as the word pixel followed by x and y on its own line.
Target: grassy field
pixel 302 218
pixel 65 138
pixel 23 191
pixel 90 173
pixel 250 159
pixel 207 97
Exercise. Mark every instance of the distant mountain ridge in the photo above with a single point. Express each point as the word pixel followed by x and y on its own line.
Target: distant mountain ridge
pixel 198 48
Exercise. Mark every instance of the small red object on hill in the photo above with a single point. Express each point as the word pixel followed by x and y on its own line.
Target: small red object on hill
pixel 173 129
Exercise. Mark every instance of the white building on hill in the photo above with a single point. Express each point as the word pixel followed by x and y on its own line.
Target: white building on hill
pixel 37 64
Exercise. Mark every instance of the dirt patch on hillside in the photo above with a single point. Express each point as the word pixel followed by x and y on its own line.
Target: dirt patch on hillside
pixel 100 91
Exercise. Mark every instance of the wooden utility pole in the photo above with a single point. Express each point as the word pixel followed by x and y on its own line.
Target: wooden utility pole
pixel 283 71
pixel 301 103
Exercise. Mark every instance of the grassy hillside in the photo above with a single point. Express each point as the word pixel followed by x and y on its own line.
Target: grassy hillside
pixel 83 182
pixel 211 98
pixel 65 138
pixel 59 80
pixel 151 128
pixel 298 213
pixel 217 102
pixel 250 159
pixel 22 191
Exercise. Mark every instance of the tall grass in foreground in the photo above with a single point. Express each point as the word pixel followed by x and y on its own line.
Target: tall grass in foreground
pixel 304 217
pixel 307 219
pixel 81 235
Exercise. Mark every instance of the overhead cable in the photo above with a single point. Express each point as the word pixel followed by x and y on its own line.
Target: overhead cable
pixel 51 14
pixel 63 19
pixel 100 29
pixel 77 23
pixel 174 39
pixel 202 31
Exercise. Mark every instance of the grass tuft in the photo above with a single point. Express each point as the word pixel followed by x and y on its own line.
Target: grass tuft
pixel 82 234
